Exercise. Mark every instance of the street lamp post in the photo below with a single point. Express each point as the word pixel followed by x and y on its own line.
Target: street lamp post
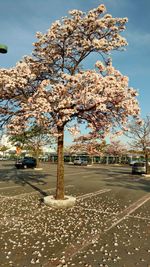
pixel 3 49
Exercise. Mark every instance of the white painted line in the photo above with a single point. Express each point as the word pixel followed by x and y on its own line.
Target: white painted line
pixel 76 173
pixel 100 211
pixel 130 210
pixel 71 174
pixel 10 187
pixel 74 249
pixel 93 193
pixel 139 217
pixel 31 193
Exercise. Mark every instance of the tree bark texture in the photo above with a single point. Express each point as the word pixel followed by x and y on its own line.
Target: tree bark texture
pixel 60 165
pixel 147 165
pixel 37 158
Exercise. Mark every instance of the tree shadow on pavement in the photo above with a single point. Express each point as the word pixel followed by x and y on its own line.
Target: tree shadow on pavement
pixel 24 177
pixel 21 175
pixel 36 188
pixel 134 183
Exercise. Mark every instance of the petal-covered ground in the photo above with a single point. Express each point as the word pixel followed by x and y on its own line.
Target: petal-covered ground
pixel 32 233
pixel 108 226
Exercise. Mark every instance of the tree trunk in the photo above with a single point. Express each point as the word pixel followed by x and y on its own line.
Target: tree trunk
pixel 107 160
pixel 147 165
pixel 60 165
pixel 37 159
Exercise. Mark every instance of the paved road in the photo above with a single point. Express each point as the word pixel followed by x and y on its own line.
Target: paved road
pixel 13 181
pixel 109 226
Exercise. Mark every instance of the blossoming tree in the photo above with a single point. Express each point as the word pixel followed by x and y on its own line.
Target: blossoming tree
pixel 140 136
pixel 32 140
pixel 52 89
pixel 116 148
pixel 87 145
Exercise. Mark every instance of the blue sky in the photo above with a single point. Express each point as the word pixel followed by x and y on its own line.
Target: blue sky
pixel 20 20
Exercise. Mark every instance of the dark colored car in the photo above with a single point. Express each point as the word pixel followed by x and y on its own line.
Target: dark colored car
pixel 138 168
pixel 26 162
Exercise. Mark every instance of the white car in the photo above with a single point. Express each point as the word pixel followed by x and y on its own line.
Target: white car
pixel 80 161
pixel 132 162
pixel 139 168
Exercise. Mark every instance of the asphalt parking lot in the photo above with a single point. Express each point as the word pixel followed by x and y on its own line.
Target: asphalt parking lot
pixel 109 225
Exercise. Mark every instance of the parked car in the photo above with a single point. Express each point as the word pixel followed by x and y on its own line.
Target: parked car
pixel 138 168
pixel 80 161
pixel 3 158
pixel 132 162
pixel 144 161
pixel 26 162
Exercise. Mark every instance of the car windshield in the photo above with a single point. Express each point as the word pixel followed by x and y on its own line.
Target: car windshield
pixel 139 164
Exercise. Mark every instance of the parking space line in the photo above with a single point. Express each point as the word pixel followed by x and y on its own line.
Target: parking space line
pixel 8 187
pixel 94 193
pixel 100 211
pixel 73 249
pixel 31 193
pixel 125 213
pixel 139 217
pixel 76 173
pixel 69 174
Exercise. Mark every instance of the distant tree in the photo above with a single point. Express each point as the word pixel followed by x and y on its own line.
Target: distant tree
pixel 33 140
pixel 3 149
pixel 140 138
pixel 52 88
pixel 86 145
pixel 116 148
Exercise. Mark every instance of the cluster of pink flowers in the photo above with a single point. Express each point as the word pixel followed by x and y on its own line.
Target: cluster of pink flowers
pixel 50 87
pixel 116 148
